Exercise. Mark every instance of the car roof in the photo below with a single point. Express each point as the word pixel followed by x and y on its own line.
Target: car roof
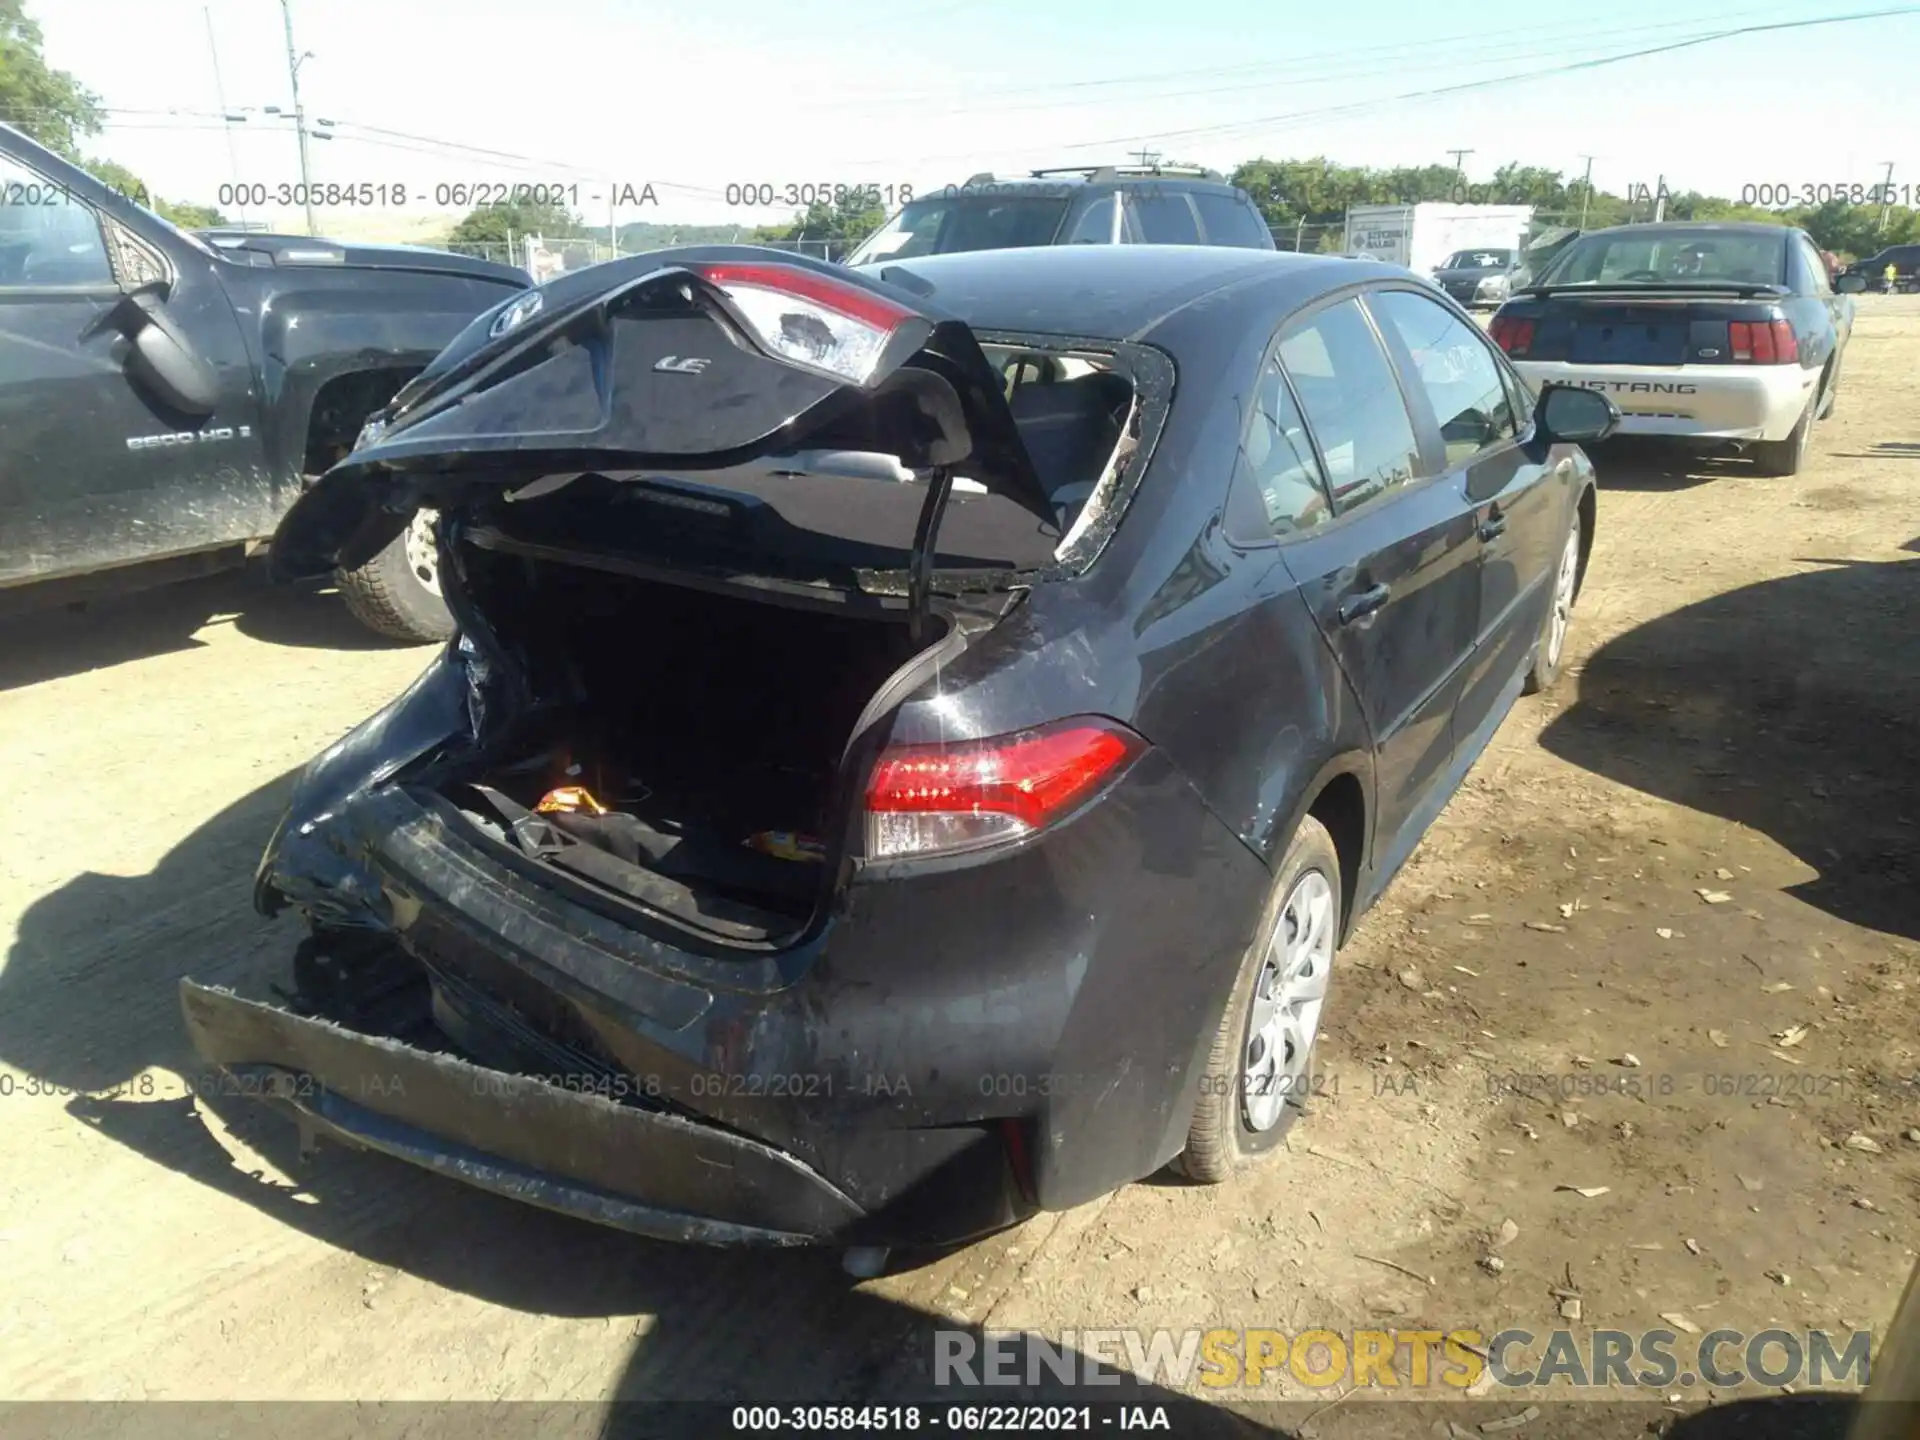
pixel 1108 292
pixel 1059 181
pixel 1701 227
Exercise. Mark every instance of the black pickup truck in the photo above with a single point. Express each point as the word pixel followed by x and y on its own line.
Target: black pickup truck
pixel 165 397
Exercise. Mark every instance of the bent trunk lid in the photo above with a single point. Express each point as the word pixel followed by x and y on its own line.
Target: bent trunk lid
pixel 666 373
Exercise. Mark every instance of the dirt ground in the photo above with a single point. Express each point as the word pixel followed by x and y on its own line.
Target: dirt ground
pixel 1740 719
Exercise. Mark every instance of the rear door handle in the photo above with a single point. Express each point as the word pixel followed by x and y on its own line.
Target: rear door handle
pixel 1493 526
pixel 1365 603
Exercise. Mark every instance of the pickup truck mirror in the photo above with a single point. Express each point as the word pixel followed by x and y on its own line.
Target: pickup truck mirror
pixel 176 374
pixel 1850 284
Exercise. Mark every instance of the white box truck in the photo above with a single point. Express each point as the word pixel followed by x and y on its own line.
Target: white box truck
pixel 1421 236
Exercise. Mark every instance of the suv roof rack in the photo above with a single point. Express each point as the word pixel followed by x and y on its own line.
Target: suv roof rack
pixel 1120 172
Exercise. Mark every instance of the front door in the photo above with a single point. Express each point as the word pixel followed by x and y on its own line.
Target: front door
pixel 1460 387
pixel 94 472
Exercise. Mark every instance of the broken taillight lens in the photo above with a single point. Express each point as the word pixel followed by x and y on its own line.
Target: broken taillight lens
pixel 809 319
pixel 939 799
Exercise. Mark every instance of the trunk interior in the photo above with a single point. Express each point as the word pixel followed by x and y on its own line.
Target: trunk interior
pixel 709 728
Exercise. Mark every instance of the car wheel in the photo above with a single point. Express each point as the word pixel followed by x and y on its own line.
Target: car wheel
pixel 1552 648
pixel 1831 398
pixel 397 593
pixel 1785 457
pixel 1259 1074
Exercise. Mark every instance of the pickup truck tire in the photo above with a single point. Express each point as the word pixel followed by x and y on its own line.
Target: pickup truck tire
pixel 1784 457
pixel 397 593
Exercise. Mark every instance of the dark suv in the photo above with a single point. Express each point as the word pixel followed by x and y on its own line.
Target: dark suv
pixel 1905 260
pixel 1110 205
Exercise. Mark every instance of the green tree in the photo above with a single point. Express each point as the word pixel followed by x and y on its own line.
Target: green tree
pixel 845 223
pixel 49 105
pixel 509 220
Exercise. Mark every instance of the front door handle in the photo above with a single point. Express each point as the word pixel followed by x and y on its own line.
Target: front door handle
pixel 1494 525
pixel 1354 607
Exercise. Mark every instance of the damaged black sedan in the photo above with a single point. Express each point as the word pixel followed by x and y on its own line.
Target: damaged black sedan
pixel 915 738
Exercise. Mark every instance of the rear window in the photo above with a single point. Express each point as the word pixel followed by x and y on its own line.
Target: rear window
pixel 1652 255
pixel 945 225
pixel 1231 221
pixel 1477 259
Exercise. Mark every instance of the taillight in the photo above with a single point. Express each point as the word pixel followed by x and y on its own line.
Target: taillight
pixel 811 319
pixel 938 799
pixel 1511 333
pixel 1763 342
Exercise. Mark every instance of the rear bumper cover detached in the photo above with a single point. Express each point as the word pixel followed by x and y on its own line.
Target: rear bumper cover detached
pixel 956 1046
pixel 647 1172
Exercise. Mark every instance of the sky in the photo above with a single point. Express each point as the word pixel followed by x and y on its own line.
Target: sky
pixel 692 96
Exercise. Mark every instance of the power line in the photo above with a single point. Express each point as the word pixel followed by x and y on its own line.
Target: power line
pixel 1593 63
pixel 1308 62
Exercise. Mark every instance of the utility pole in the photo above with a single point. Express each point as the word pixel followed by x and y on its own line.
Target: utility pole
pixel 1659 199
pixel 1586 190
pixel 1147 157
pixel 299 115
pixel 226 119
pixel 1886 196
pixel 1460 169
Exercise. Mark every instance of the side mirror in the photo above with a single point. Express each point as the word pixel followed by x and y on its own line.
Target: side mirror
pixel 1575 415
pixel 1850 284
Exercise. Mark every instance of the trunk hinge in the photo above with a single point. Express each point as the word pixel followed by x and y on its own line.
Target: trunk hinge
pixel 920 564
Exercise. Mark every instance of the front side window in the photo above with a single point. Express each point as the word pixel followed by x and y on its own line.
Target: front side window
pixel 1095 225
pixel 1163 218
pixel 1347 387
pixel 47 235
pixel 1231 220
pixel 1457 370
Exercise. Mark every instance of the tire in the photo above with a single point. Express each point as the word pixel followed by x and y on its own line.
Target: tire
pixel 1785 457
pixel 1224 1135
pixel 1550 651
pixel 397 593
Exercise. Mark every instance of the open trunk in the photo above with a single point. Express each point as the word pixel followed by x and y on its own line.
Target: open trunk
pixel 696 511
pixel 709 728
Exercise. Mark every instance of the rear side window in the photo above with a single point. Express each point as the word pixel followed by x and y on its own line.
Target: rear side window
pixel 1455 368
pixel 1347 387
pixel 1164 219
pixel 1231 221
pixel 1278 459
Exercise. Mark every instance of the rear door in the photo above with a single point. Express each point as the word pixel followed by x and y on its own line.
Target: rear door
pixel 1460 387
pixel 1391 577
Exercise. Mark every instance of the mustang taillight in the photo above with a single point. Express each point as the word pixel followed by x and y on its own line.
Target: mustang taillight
pixel 939 799
pixel 1763 342
pixel 813 320
pixel 1511 334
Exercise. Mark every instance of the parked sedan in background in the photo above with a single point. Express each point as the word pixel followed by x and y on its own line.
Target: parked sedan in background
pixel 1477 277
pixel 918 735
pixel 1722 335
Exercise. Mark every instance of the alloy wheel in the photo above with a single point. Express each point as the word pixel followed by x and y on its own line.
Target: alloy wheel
pixel 423 550
pixel 1288 995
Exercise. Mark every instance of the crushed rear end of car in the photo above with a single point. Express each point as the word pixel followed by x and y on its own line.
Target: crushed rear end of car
pixel 687 891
